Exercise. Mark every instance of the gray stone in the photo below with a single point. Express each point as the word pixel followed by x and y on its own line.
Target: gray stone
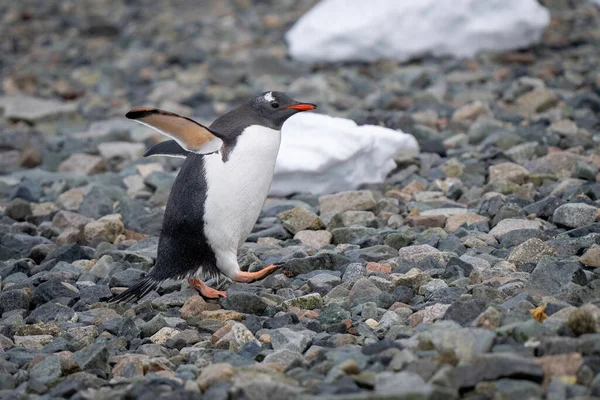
pixel 307 302
pixel 323 280
pixel 121 150
pixel 494 366
pixel 18 209
pixel 34 109
pixel 154 325
pixel 16 245
pixel 83 164
pixel 508 225
pixel 285 338
pixel 96 203
pixel 127 278
pixel 363 289
pixel 372 253
pixel 244 302
pixel 575 215
pixel 94 356
pixel 284 356
pixel 53 289
pixel 354 271
pixel 160 180
pixel 351 218
pixel 276 206
pixel 46 370
pixel 299 219
pixel 513 389
pixel 316 239
pixel 388 319
pixel 50 312
pixel 550 276
pixel 402 385
pixel 530 251
pixel 333 313
pixel 352 234
pixel 361 200
pixel 328 260
pixel 465 312
pixel 14 300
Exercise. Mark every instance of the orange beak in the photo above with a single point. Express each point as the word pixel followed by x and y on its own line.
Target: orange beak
pixel 303 106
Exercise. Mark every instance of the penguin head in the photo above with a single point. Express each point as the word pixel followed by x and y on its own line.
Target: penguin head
pixel 274 108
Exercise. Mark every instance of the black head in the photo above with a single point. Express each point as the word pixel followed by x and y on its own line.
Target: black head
pixel 274 108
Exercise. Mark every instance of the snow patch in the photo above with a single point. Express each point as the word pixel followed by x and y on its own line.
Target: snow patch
pixel 320 154
pixel 359 30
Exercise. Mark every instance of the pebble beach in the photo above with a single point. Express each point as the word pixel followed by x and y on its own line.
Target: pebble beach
pixel 471 272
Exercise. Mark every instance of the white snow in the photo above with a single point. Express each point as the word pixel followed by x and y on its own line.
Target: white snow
pixel 359 30
pixel 320 154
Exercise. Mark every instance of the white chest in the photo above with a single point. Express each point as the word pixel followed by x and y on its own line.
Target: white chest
pixel 237 188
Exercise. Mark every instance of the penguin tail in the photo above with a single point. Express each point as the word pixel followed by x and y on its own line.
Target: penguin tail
pixel 137 291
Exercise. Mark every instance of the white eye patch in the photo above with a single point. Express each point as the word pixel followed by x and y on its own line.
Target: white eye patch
pixel 269 97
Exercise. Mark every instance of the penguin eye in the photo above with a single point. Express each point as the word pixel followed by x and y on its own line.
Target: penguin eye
pixel 275 105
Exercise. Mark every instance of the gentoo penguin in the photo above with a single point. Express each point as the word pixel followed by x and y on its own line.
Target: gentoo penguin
pixel 219 192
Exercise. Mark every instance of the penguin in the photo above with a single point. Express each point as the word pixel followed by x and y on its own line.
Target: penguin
pixel 218 193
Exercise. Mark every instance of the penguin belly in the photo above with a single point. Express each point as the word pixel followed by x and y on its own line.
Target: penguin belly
pixel 237 188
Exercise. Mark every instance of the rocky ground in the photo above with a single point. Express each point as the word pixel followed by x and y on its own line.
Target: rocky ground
pixel 472 272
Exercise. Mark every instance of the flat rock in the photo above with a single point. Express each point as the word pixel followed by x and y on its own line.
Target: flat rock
pixel 82 164
pixel 511 224
pixel 591 257
pixel 495 366
pixel 248 303
pixel 530 251
pixel 307 302
pixel 32 342
pixel 299 219
pixel 316 239
pixel 163 335
pixel 121 150
pixel 66 219
pixel 536 101
pixel 508 171
pixel 236 337
pixel 454 222
pixel 32 109
pixel 402 385
pixel 109 227
pixel 361 200
pixel 428 314
pixel 562 164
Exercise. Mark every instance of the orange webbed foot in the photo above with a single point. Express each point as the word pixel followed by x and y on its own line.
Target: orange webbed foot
pixel 247 277
pixel 206 291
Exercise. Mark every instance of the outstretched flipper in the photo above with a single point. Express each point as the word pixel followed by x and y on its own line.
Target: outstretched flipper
pixel 187 133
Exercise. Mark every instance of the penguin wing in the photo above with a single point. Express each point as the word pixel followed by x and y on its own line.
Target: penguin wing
pixel 187 133
pixel 168 148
